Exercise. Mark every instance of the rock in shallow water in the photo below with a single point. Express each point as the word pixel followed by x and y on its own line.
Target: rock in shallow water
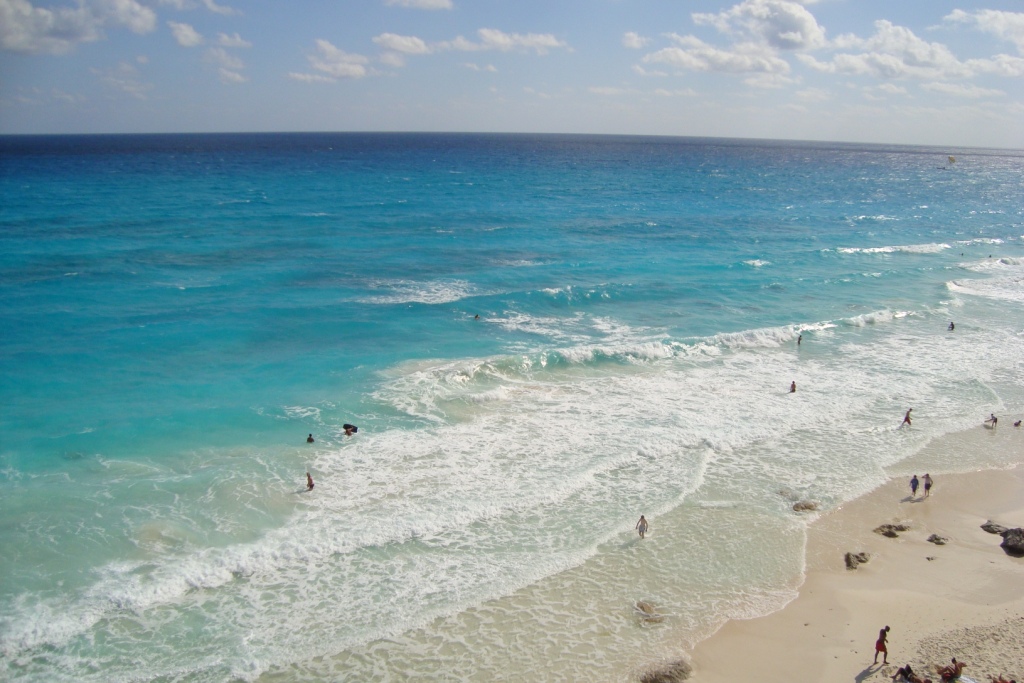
pixel 672 672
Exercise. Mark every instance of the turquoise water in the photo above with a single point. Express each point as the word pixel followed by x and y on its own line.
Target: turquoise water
pixel 179 312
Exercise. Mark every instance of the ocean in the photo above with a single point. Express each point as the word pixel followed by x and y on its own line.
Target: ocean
pixel 539 337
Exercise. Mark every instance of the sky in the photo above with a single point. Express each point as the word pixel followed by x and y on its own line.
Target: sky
pixel 930 72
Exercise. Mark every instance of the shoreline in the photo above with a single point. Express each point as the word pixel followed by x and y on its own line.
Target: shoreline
pixel 961 599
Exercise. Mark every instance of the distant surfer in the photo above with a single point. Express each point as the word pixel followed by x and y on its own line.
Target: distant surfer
pixel 309 482
pixel 641 526
pixel 792 387
pixel 799 338
pixel 309 439
pixel 476 317
pixel 350 429
pixel 951 326
pixel 906 418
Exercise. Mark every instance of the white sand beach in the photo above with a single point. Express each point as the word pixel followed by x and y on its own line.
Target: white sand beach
pixel 964 599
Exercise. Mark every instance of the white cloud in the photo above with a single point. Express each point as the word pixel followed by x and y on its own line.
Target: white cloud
pixel 310 78
pixel 185 34
pixel 892 52
pixel 696 55
pixel 38 30
pixel 410 45
pixel 337 63
pixel 124 78
pixel 224 59
pixel 138 18
pixel 1006 25
pixel 396 46
pixel 607 91
pixel 892 89
pixel 219 9
pixel 640 71
pixel 228 76
pixel 493 39
pixel 686 92
pixel 959 90
pixel 476 67
pixel 236 40
pixel 782 24
pixel 813 95
pixel 635 41
pixel 1000 65
pixel 420 4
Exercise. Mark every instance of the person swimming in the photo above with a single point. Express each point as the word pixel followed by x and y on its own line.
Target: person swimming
pixel 309 439
pixel 350 429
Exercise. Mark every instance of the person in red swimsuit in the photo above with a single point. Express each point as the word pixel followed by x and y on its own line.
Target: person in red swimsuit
pixel 880 646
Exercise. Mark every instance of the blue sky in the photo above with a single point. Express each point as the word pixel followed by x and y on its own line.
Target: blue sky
pixel 910 71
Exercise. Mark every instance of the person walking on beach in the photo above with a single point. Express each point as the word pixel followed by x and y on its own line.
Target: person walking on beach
pixel 641 526
pixel 927 484
pixel 880 646
pixel 913 486
pixel 309 482
pixel 906 418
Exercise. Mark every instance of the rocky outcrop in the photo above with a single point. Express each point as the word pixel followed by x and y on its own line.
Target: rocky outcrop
pixel 672 672
pixel 891 530
pixel 938 540
pixel 1013 542
pixel 805 506
pixel 994 528
pixel 854 559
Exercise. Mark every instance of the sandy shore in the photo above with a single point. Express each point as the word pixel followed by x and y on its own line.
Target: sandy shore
pixel 964 599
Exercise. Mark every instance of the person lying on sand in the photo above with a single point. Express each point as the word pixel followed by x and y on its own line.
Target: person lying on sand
pixel 951 671
pixel 1001 679
pixel 905 673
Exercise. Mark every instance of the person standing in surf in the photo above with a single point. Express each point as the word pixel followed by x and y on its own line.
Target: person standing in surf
pixel 641 526
pixel 309 482
pixel 906 418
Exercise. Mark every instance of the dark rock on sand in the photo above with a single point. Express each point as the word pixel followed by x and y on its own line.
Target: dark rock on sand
pixel 994 528
pixel 673 672
pixel 854 559
pixel 938 540
pixel 1013 542
pixel 891 530
pixel 805 505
